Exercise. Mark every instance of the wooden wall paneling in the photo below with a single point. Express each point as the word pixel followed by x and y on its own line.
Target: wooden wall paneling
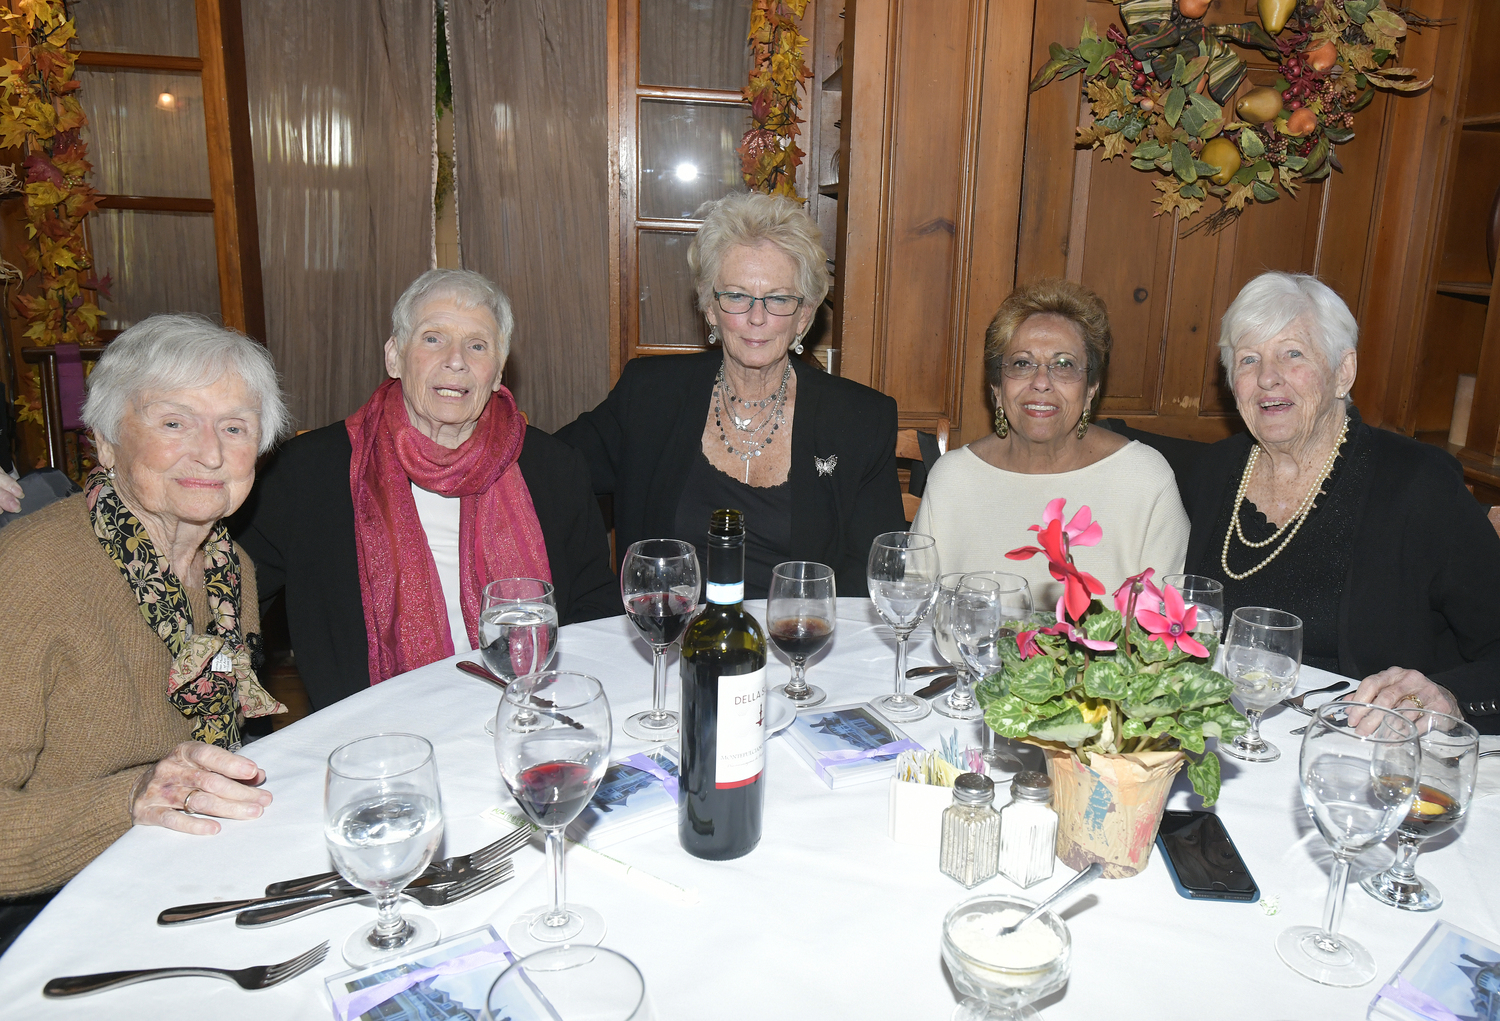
pixel 615 55
pixel 231 165
pixel 1482 448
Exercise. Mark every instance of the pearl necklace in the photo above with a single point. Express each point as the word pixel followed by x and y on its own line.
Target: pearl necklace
pixel 1294 522
pixel 774 405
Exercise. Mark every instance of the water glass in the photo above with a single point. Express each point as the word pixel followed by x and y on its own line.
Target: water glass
pixel 801 610
pixel 987 607
pixel 1207 594
pixel 383 819
pixel 1359 769
pixel 902 572
pixel 570 983
pixel 1450 765
pixel 1262 656
pixel 517 629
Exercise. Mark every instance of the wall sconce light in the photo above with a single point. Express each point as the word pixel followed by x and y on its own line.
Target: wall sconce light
pixel 166 101
pixel 686 172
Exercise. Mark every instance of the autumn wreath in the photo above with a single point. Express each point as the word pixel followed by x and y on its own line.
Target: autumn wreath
pixel 769 154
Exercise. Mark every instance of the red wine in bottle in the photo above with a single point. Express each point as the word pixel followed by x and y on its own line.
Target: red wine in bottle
pixel 723 668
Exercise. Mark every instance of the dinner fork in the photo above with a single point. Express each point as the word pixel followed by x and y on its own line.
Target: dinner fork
pixel 448 868
pixel 1298 702
pixel 434 896
pixel 261 977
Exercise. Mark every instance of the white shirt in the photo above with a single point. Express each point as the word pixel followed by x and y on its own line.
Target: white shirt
pixel 439 517
pixel 978 512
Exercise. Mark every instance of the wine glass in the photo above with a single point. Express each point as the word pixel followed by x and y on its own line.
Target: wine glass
pixel 1358 787
pixel 1003 977
pixel 801 609
pixel 1207 594
pixel 517 629
pixel 383 819
pixel 659 584
pixel 1262 656
pixel 1450 763
pixel 1006 602
pixel 552 740
pixel 903 573
pixel 570 983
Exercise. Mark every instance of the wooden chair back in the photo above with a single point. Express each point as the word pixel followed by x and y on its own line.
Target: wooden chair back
pixel 909 450
pixel 56 419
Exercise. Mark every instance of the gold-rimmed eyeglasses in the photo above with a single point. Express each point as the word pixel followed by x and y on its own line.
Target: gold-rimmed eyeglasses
pixel 1064 370
pixel 736 303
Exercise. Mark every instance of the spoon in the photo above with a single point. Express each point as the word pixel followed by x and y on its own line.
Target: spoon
pixel 1083 878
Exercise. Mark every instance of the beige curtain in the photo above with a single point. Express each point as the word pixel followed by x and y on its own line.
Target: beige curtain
pixel 532 154
pixel 341 118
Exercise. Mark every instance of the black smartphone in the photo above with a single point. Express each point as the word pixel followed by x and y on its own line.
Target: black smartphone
pixel 1201 858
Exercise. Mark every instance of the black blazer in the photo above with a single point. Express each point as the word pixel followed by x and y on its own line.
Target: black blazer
pixel 641 441
pixel 298 527
pixel 1423 589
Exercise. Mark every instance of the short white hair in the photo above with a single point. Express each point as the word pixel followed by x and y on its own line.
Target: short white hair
pixel 466 289
pixel 167 354
pixel 1275 300
pixel 748 219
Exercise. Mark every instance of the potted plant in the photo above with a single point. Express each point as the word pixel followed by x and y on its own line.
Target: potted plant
pixel 1118 707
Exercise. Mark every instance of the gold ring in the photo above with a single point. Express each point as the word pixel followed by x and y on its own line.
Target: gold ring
pixel 1413 698
pixel 187 800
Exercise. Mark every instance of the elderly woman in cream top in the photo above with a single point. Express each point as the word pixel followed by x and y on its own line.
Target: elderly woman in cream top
pixel 1044 357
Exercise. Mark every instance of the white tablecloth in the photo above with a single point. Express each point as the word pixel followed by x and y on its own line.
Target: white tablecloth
pixel 827 918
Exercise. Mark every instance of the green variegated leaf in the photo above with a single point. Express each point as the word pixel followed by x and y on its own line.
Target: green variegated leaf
pixel 1182 163
pixel 1191 121
pixel 1150 151
pixel 1223 721
pixel 1009 716
pixel 1010 653
pixel 1205 777
pixel 1245 176
pixel 1207 108
pixel 1251 145
pixel 1067 727
pixel 1102 626
pixel 1134 728
pixel 1035 680
pixel 1211 128
pixel 1107 678
pixel 1264 192
pixel 1263 170
pixel 1172 109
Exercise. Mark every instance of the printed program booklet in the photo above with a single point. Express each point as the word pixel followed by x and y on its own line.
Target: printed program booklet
pixel 848 744
pixel 1452 975
pixel 638 794
pixel 450 980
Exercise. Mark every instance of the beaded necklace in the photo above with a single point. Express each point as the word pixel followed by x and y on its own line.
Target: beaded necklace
pixel 1294 523
pixel 773 408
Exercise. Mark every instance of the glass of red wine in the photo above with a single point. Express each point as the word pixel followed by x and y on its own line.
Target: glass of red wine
pixel 1450 765
pixel 801 610
pixel 659 585
pixel 552 741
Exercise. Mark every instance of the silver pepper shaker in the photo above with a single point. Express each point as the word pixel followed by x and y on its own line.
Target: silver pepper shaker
pixel 1028 830
pixel 971 831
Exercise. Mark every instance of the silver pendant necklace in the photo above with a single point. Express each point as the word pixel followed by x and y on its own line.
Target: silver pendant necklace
pixel 774 408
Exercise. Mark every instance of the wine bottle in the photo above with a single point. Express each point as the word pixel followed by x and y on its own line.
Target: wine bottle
pixel 723 669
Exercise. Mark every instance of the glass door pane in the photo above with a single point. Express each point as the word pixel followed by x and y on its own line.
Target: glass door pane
pixel 695 44
pixel 668 305
pixel 160 262
pixel 158 27
pixel 145 132
pixel 687 155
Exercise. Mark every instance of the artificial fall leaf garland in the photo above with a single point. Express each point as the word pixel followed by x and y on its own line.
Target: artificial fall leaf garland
pixel 1160 91
pixel 769 154
pixel 38 110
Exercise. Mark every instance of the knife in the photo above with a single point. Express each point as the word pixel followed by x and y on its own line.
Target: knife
pixel 938 686
pixel 927 671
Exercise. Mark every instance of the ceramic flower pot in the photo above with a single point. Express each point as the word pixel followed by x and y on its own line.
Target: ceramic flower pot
pixel 1108 811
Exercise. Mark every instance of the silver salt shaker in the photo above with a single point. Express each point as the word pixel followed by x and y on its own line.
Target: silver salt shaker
pixel 1028 830
pixel 971 831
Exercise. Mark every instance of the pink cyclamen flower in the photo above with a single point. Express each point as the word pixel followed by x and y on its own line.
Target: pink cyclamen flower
pixel 1083 530
pixel 1065 628
pixel 1174 624
pixel 1149 599
pixel 1026 643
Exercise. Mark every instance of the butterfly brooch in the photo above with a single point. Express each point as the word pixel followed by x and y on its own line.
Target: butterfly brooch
pixel 826 465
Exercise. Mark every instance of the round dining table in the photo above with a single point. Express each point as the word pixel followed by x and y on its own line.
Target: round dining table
pixel 827 918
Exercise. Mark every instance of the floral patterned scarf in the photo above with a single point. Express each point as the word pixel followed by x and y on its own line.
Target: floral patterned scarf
pixel 212 681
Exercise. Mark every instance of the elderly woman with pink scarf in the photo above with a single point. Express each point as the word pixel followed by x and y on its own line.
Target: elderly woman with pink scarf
pixel 383 529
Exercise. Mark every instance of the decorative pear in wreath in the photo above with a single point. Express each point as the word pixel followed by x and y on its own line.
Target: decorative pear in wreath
pixel 1166 93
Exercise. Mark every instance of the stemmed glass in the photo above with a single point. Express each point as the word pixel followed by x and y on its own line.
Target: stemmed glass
pixel 801 608
pixel 903 574
pixel 1003 601
pixel 517 629
pixel 659 585
pixel 570 983
pixel 1359 770
pixel 1262 656
pixel 1207 594
pixel 383 819
pixel 552 740
pixel 1450 763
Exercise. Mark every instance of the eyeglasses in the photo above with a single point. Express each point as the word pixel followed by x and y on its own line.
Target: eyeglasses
pixel 1064 370
pixel 736 303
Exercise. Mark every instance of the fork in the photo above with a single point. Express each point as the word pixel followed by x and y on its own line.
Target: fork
pixel 261 977
pixel 548 706
pixel 1297 702
pixel 435 896
pixel 448 868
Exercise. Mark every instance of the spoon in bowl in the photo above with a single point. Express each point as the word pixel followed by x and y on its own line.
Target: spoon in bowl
pixel 1083 878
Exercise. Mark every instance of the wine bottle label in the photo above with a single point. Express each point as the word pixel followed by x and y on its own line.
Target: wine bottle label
pixel 742 734
pixel 726 593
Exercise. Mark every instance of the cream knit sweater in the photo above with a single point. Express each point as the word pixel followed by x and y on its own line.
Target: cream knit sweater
pixel 83 706
pixel 978 512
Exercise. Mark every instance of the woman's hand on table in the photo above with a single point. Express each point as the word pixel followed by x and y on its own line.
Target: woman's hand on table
pixel 1399 688
pixel 216 782
pixel 10 494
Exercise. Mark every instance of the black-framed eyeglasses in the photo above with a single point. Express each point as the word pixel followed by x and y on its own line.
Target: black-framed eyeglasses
pixel 736 303
pixel 1064 370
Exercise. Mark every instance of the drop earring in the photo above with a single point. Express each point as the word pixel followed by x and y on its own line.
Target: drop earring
pixel 713 335
pixel 110 474
pixel 1002 427
pixel 797 346
pixel 1083 423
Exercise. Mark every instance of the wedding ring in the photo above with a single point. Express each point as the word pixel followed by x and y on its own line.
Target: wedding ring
pixel 1413 699
pixel 188 800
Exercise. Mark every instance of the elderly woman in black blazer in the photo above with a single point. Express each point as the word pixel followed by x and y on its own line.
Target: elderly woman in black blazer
pixel 809 457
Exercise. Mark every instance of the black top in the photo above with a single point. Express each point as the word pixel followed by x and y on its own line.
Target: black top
pixel 1322 550
pixel 641 443
pixel 768 520
pixel 1420 589
pixel 298 527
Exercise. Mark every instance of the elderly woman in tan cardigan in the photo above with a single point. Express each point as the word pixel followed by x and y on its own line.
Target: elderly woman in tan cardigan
pixel 128 634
